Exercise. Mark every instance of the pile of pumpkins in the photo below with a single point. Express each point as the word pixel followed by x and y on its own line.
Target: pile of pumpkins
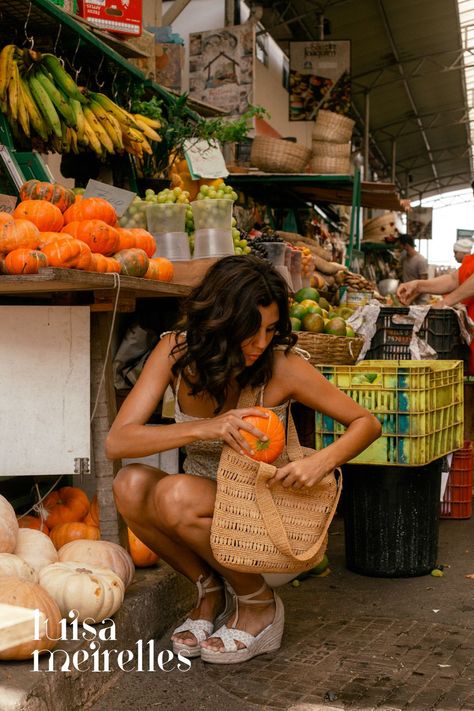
pixel 69 569
pixel 52 226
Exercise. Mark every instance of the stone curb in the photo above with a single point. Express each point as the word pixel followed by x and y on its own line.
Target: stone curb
pixel 154 601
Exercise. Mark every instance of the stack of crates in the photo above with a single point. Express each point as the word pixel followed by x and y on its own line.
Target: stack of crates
pixel 440 330
pixel 419 403
pixel 457 499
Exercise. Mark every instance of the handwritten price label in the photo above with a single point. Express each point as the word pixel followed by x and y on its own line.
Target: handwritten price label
pixel 119 198
pixel 7 203
pixel 205 160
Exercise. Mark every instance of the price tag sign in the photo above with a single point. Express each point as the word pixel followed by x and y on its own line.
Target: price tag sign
pixel 205 160
pixel 7 203
pixel 119 198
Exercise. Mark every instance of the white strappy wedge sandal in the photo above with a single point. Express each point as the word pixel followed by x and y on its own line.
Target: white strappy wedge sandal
pixel 202 629
pixel 268 640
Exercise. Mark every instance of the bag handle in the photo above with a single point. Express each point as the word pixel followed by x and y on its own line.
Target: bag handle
pixel 249 398
pixel 272 518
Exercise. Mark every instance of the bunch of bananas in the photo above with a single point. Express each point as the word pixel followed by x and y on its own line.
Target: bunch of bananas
pixel 42 101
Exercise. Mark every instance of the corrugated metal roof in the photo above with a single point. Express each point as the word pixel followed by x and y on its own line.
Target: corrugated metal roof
pixel 408 56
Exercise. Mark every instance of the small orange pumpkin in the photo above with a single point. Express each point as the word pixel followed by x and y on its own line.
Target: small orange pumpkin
pixel 99 235
pixel 69 503
pixel 52 192
pixel 47 237
pixel 92 518
pixel 75 530
pixel 160 269
pixel 91 209
pixel 68 253
pixel 24 261
pixel 35 522
pixel 17 234
pixel 133 262
pixel 126 239
pixel 42 213
pixel 270 449
pixel 103 264
pixel 142 240
pixel 142 556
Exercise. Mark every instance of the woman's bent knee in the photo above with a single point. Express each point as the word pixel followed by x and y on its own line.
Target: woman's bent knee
pixel 179 501
pixel 132 485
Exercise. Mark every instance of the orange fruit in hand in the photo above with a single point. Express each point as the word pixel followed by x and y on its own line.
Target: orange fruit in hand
pixel 270 449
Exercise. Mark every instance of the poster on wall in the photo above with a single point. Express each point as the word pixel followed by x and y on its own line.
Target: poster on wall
pixel 319 78
pixel 419 222
pixel 221 67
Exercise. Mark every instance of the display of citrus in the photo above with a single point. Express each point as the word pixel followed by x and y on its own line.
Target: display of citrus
pixel 310 306
pixel 307 292
pixel 313 323
pixel 297 311
pixel 295 323
pixel 336 327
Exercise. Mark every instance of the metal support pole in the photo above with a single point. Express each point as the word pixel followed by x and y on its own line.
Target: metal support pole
pixel 321 26
pixel 366 135
pixel 394 161
pixel 229 12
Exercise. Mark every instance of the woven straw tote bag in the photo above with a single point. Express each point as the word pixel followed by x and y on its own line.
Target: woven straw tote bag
pixel 256 529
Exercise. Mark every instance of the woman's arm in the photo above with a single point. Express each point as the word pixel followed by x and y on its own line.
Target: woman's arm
pixel 311 388
pixel 130 436
pixel 438 285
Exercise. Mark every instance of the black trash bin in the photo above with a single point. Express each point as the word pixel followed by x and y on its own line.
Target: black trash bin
pixel 391 518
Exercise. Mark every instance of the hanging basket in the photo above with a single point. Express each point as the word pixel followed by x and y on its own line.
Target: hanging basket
pixel 274 155
pixel 327 165
pixel 331 350
pixel 326 149
pixel 333 127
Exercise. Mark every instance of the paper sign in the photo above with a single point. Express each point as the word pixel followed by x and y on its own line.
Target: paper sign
pixel 119 198
pixel 205 160
pixel 7 203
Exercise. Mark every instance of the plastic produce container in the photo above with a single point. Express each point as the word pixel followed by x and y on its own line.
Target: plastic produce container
pixel 212 214
pixel 166 217
pixel 135 215
pixel 391 519
pixel 276 253
pixel 419 403
pixel 172 245
pixel 457 499
pixel 213 243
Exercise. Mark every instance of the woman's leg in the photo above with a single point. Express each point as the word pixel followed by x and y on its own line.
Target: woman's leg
pixel 184 508
pixel 137 494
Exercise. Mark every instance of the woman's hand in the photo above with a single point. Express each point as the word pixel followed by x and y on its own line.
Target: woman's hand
pixel 304 473
pixel 227 426
pixel 408 291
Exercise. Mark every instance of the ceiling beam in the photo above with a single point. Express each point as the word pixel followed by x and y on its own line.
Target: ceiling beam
pixel 174 11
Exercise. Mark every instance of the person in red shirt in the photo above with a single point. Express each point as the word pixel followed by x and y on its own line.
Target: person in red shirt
pixel 456 287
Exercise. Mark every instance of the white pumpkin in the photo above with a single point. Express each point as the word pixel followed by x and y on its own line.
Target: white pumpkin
pixel 94 593
pixel 11 564
pixel 8 526
pixel 102 554
pixel 36 548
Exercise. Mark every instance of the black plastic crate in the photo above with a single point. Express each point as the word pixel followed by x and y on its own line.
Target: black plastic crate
pixel 440 329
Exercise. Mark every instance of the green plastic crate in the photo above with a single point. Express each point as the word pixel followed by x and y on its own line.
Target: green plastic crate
pixel 420 405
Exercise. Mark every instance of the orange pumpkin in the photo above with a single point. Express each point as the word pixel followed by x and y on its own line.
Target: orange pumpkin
pixel 91 209
pixel 69 503
pixel 2 263
pixel 47 237
pixel 35 522
pixel 126 238
pixel 52 192
pixel 24 261
pixel 142 556
pixel 142 239
pixel 15 234
pixel 92 518
pixel 270 449
pixel 103 264
pixel 160 269
pixel 75 530
pixel 133 262
pixel 99 235
pixel 68 253
pixel 42 213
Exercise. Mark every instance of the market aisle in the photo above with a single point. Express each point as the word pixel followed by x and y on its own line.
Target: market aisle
pixel 351 642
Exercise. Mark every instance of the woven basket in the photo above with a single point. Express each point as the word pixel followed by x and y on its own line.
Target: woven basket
pixel 330 126
pixel 257 529
pixel 327 165
pixel 274 155
pixel 331 150
pixel 330 350
pixel 378 229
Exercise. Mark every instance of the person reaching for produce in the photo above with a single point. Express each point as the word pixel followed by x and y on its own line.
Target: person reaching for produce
pixel 236 333
pixel 456 287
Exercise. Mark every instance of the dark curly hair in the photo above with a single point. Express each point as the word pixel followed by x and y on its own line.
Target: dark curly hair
pixel 219 315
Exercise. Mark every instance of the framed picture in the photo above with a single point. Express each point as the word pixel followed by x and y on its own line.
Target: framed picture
pixel 419 222
pixel 319 78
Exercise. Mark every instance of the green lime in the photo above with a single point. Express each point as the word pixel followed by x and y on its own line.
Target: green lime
pixel 295 324
pixel 297 311
pixel 307 292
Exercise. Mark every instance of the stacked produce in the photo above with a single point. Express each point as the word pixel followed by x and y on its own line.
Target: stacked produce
pixel 53 227
pixel 357 282
pixel 43 102
pixel 311 312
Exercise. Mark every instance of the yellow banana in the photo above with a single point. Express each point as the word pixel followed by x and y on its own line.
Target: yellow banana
pixel 112 127
pixel 13 91
pixel 146 147
pixel 79 118
pixel 133 147
pixel 99 131
pixel 62 106
pixel 61 78
pixel 45 106
pixel 73 141
pixel 36 120
pixel 97 110
pixel 66 138
pixel 94 143
pixel 147 130
pixel 23 115
pixel 132 134
pixel 123 116
pixel 6 62
pixel 152 123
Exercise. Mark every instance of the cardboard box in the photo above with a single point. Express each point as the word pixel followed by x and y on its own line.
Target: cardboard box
pixel 123 17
